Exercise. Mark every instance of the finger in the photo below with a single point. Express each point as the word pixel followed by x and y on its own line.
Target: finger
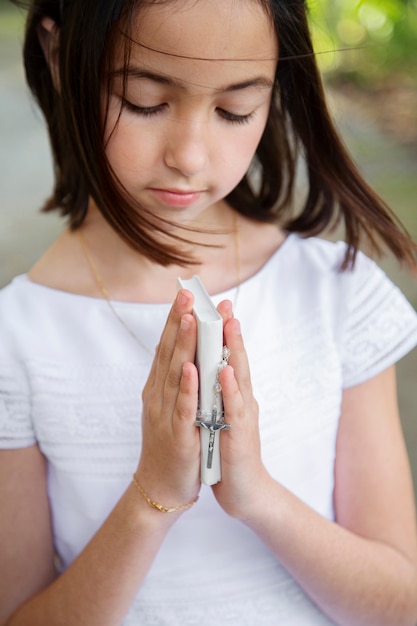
pixel 238 357
pixel 225 308
pixel 186 406
pixel 233 403
pixel 184 351
pixel 182 304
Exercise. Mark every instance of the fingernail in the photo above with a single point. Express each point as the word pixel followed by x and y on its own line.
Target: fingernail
pixel 237 327
pixel 181 298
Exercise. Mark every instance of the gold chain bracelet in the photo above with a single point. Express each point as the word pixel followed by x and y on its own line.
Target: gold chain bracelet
pixel 161 507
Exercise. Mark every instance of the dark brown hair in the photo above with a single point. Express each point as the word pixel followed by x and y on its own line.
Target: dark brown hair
pixel 299 124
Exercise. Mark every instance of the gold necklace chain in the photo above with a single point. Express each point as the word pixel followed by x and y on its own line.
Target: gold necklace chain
pixel 236 242
pixel 105 293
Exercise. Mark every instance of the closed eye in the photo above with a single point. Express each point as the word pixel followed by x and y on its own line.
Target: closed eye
pixel 229 117
pixel 233 118
pixel 144 111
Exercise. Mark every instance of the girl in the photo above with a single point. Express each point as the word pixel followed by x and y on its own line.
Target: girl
pixel 176 127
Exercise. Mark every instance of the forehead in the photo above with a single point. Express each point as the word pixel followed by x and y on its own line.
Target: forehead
pixel 194 37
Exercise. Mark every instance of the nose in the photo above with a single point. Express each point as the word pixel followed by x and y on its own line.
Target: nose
pixel 187 148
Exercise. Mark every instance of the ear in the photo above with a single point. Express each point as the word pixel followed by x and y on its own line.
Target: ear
pixel 48 35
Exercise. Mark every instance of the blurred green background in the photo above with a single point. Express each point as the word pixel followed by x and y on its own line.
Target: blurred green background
pixel 379 37
pixel 367 50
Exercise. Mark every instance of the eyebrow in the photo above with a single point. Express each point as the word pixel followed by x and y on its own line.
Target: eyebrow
pixel 132 72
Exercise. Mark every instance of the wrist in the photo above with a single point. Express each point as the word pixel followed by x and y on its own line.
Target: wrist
pixel 245 498
pixel 271 515
pixel 264 500
pixel 141 518
pixel 158 506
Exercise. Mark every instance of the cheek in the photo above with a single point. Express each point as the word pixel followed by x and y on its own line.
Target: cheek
pixel 129 148
pixel 117 152
pixel 240 151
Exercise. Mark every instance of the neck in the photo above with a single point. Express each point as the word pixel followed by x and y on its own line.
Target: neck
pixel 124 274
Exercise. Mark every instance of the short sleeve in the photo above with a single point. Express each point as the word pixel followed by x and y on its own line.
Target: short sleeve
pixel 16 429
pixel 380 325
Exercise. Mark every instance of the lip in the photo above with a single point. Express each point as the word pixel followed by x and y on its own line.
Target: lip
pixel 175 197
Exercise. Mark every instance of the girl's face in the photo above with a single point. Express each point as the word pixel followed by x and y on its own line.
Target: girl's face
pixel 199 86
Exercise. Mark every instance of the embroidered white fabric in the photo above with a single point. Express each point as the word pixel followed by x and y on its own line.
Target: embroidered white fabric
pixel 71 379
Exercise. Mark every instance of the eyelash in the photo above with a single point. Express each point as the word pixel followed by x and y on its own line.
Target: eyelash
pixel 231 118
pixel 144 111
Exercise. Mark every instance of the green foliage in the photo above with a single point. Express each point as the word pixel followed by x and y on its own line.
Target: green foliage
pixel 366 40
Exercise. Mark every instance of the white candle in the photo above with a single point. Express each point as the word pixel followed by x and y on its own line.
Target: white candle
pixel 208 361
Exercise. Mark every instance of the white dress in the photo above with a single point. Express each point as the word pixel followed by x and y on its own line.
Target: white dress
pixel 71 378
